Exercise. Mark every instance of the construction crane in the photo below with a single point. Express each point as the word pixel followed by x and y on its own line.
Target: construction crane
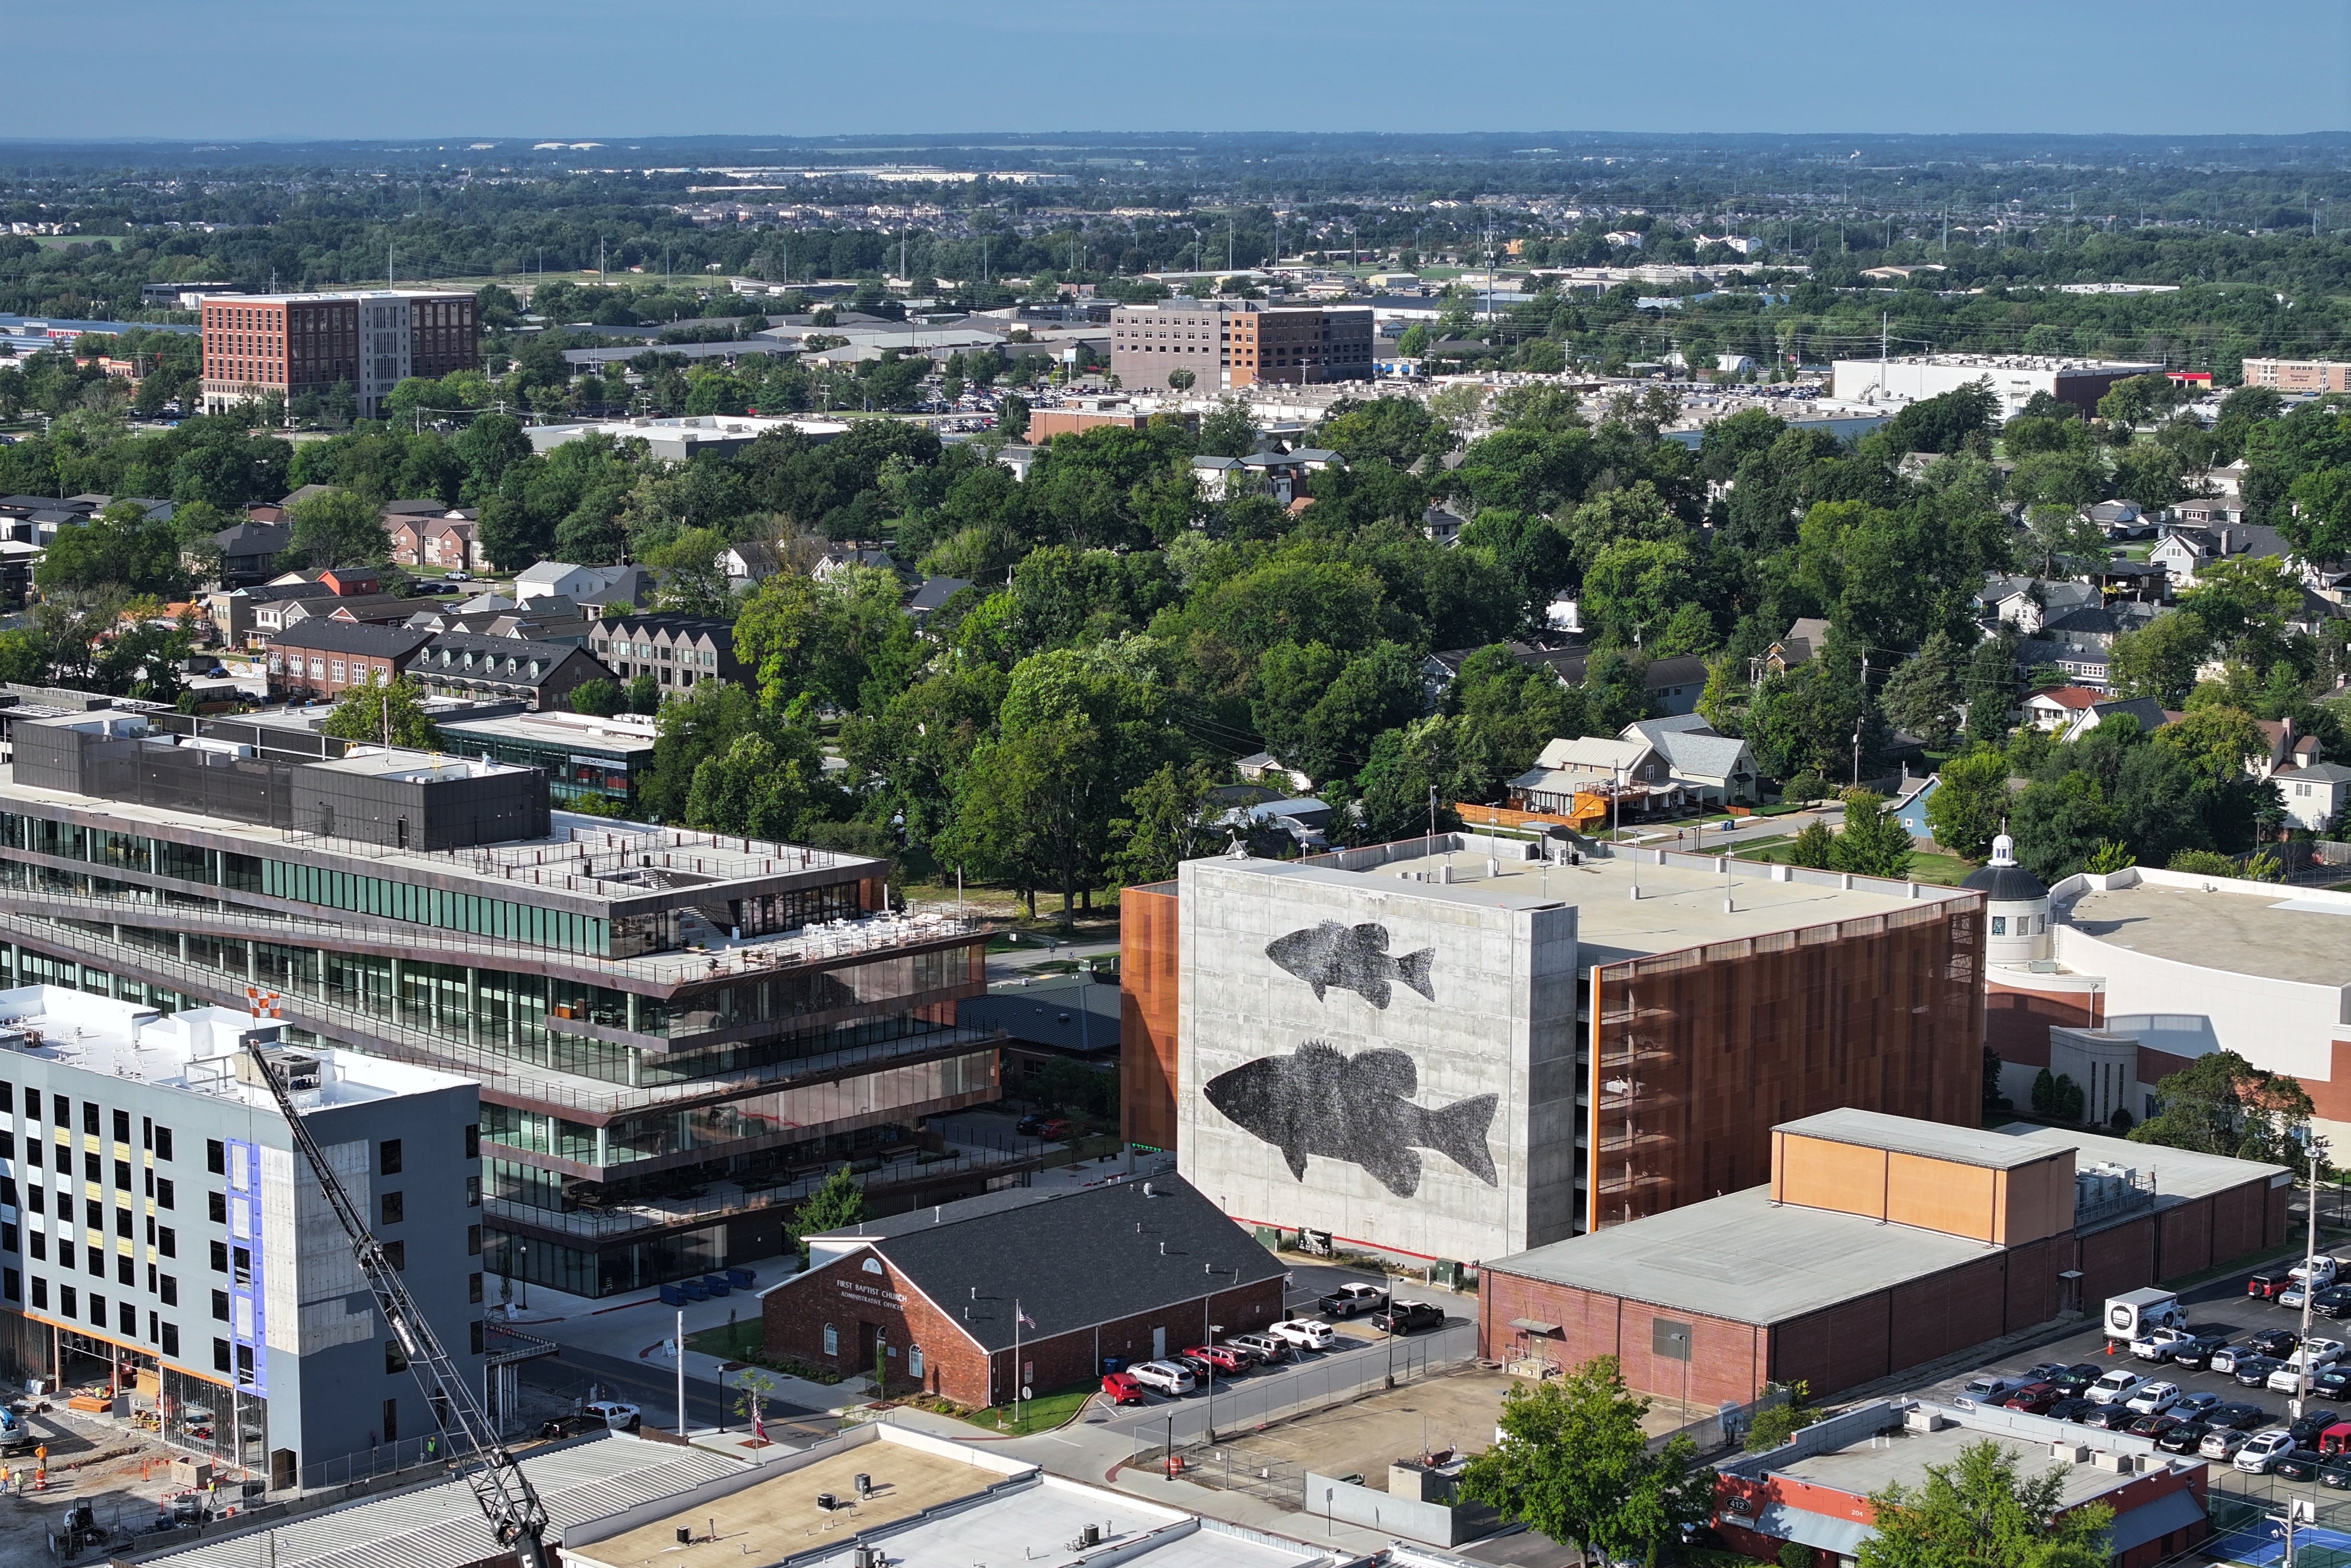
pixel 503 1492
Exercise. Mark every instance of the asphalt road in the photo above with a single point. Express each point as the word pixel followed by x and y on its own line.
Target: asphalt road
pixel 652 1386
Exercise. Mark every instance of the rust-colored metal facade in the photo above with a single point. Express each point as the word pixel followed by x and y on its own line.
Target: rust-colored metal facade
pixel 1697 1054
pixel 1147 1010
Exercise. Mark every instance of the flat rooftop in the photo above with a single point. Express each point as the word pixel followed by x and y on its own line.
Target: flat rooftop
pixel 2179 1174
pixel 1682 900
pixel 1741 1258
pixel 441 1526
pixel 936 1503
pixel 625 734
pixel 1869 1466
pixel 1907 1135
pixel 198 1049
pixel 2301 936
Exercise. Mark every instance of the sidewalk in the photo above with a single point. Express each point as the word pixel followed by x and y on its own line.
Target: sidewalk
pixel 635 1327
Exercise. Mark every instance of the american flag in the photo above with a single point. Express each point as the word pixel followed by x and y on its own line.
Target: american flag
pixel 1024 1320
pixel 758 1426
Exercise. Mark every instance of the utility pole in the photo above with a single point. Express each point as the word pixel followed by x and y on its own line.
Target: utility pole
pixel 2309 1289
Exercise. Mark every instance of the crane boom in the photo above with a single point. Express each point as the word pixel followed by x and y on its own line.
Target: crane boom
pixel 503 1492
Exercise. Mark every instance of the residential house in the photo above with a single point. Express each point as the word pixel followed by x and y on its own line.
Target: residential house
pixel 680 651
pixel 2136 581
pixel 249 551
pixel 1264 768
pixel 2057 708
pixel 291 501
pixel 2119 519
pixel 2317 795
pixel 1807 635
pixel 236 611
pixel 358 609
pixel 593 588
pixel 1673 684
pixel 2072 712
pixel 537 674
pixel 1219 478
pixel 320 657
pixel 2080 666
pixel 750 563
pixel 1442 525
pixel 1718 770
pixel 833 562
pixel 2185 549
pixel 546 620
pixel 931 596
pixel 2208 512
pixel 2024 603
pixel 426 533
pixel 1632 770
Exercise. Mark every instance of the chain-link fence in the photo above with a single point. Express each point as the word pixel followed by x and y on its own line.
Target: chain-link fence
pixel 1186 1431
pixel 2248 1517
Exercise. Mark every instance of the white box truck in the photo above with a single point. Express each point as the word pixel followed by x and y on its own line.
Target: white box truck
pixel 2133 1314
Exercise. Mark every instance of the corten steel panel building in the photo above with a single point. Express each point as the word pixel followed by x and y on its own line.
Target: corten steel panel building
pixel 1628 1028
pixel 1880 1243
pixel 1147 1006
pixel 676 1034
pixel 162 1235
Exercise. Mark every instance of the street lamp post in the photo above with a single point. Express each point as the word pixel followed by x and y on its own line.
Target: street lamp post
pixel 522 1267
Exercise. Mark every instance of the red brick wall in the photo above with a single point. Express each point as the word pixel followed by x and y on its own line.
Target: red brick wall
pixel 2017 1023
pixel 857 1304
pixel 1728 1361
pixel 1950 1311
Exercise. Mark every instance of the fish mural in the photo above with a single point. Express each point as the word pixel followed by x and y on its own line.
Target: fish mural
pixel 1318 1100
pixel 1352 958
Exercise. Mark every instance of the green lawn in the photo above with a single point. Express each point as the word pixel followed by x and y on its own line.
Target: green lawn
pixel 728 1342
pixel 1041 1414
pixel 1925 865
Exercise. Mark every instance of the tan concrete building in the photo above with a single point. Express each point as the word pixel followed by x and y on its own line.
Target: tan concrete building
pixel 2298 375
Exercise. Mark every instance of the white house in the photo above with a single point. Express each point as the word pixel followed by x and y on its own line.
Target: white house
pixel 2315 795
pixel 1716 769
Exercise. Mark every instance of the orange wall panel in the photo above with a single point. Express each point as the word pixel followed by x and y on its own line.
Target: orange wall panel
pixel 1817 1173
pixel 1147 1014
pixel 1941 1194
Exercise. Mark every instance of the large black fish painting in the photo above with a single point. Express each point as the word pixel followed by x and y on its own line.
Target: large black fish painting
pixel 1319 1101
pixel 1352 958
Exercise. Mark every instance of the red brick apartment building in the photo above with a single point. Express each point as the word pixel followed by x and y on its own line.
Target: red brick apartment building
pixel 322 657
pixel 1131 1270
pixel 290 344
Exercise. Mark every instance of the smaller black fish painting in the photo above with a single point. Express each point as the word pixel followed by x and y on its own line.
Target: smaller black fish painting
pixel 1352 958
pixel 1319 1101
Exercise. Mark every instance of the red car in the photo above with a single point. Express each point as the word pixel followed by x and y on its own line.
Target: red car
pixel 2267 1287
pixel 2035 1398
pixel 1121 1388
pixel 1223 1358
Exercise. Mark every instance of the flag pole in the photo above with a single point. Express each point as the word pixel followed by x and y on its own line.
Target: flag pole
pixel 1017 1315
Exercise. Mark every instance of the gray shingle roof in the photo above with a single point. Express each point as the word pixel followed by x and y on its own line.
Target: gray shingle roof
pixel 1076 1258
pixel 323 636
pixel 1699 755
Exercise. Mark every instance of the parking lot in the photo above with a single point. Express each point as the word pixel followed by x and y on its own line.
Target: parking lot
pixel 2219 1307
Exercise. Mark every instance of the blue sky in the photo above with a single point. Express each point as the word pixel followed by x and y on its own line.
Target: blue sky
pixel 213 69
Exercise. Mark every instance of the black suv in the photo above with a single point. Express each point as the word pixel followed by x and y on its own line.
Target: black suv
pixel 2333 1301
pixel 2076 1377
pixel 1408 1317
pixel 2275 1342
pixel 2184 1439
pixel 2238 1417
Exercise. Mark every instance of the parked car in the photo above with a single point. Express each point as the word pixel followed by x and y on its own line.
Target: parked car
pixel 1304 1334
pixel 2115 1388
pixel 2262 1450
pixel 2275 1342
pixel 1989 1389
pixel 2198 1352
pixel 2112 1417
pixel 564 1427
pixel 2072 1380
pixel 1263 1349
pixel 2267 1287
pixel 2331 1382
pixel 2296 1465
pixel 2225 1358
pixel 1409 1317
pixel 2238 1415
pixel 2034 1397
pixel 619 1416
pixel 2336 1473
pixel 1197 1365
pixel 2196 1406
pixel 2157 1343
pixel 2254 1371
pixel 1165 1377
pixel 2071 1409
pixel 1223 1358
pixel 2153 1398
pixel 1352 1298
pixel 2043 1371
pixel 2221 1443
pixel 1121 1388
pixel 2153 1426
pixel 2309 1431
pixel 2184 1439
pixel 2333 1301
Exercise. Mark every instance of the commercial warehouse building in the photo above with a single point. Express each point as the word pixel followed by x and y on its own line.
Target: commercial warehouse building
pixel 1880 1243
pixel 2126 977
pixel 676 1035
pixel 162 1235
pixel 2013 379
pixel 1458 1048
